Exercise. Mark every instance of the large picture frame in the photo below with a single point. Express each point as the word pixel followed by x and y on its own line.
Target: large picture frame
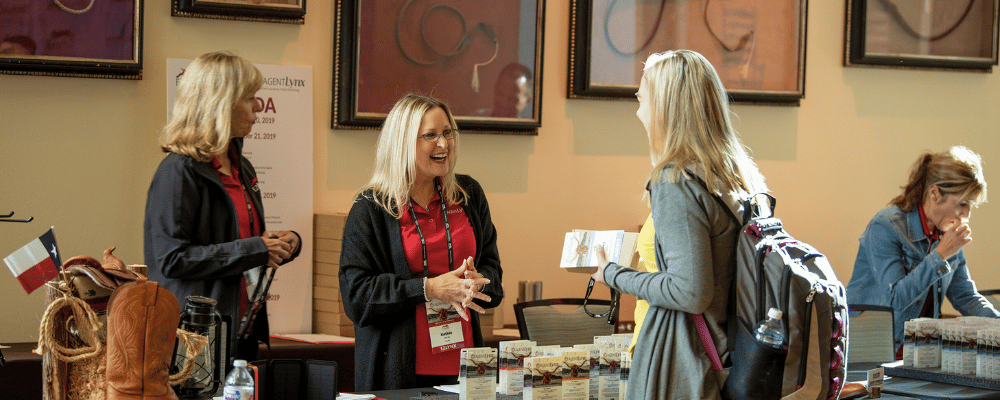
pixel 756 46
pixel 75 38
pixel 279 11
pixel 943 34
pixel 483 59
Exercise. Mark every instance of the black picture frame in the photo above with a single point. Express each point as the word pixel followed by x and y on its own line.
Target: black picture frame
pixel 380 54
pixel 958 35
pixel 277 11
pixel 72 38
pixel 757 47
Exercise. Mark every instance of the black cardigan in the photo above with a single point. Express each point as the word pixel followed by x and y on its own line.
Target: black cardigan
pixel 191 235
pixel 380 294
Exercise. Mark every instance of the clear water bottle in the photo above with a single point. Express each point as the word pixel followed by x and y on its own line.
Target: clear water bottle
pixel 239 383
pixel 771 331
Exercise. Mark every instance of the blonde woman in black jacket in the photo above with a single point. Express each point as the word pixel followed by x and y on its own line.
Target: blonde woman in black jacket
pixel 204 227
pixel 419 251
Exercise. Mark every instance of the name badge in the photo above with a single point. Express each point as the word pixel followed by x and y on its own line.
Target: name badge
pixel 445 327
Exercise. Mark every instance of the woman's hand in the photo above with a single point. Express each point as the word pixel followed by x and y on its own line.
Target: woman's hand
pixel 955 235
pixel 602 262
pixel 454 289
pixel 292 239
pixel 471 272
pixel 277 249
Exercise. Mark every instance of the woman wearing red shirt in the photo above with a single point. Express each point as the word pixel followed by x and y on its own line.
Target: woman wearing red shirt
pixel 419 252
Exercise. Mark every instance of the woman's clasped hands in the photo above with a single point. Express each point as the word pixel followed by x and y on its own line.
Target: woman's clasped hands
pixel 280 246
pixel 459 288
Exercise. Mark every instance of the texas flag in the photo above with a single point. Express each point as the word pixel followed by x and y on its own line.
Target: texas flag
pixel 35 263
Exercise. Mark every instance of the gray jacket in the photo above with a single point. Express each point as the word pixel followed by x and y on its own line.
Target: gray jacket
pixel 695 239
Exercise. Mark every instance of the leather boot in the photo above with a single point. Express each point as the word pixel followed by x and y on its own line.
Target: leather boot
pixel 142 328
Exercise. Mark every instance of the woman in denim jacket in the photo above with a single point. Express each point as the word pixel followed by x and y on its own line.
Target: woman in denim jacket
pixel 911 252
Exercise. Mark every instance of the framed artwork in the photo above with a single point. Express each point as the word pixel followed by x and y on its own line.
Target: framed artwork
pixel 930 34
pixel 280 11
pixel 756 46
pixel 483 59
pixel 78 38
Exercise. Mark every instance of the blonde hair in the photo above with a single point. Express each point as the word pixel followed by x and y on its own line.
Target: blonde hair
pixel 957 171
pixel 201 123
pixel 690 124
pixel 395 156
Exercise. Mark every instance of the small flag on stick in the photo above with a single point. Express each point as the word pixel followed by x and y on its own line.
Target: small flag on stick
pixel 35 263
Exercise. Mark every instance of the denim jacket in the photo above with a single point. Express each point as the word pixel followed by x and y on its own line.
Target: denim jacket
pixel 894 268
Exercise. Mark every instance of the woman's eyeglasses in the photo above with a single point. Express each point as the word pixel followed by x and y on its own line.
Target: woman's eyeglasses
pixel 432 137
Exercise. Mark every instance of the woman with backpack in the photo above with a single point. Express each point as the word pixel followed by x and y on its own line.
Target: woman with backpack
pixel 697 157
pixel 911 254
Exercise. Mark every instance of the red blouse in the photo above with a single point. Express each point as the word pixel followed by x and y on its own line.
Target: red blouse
pixel 463 246
pixel 244 207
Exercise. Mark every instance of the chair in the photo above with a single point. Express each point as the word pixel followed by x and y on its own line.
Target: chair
pixel 993 295
pixel 563 321
pixel 870 334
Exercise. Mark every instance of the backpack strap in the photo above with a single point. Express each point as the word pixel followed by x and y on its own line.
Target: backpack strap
pixel 722 203
pixel 731 330
pixel 706 341
pixel 699 319
pixel 749 209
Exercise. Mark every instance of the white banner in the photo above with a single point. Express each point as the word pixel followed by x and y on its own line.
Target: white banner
pixel 280 146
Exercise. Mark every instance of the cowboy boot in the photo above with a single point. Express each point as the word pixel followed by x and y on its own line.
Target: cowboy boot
pixel 142 328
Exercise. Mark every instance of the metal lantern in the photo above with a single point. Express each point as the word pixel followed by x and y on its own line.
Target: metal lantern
pixel 200 317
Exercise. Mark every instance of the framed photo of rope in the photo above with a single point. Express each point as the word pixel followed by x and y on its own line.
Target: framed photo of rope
pixel 757 46
pixel 280 11
pixel 928 34
pixel 77 38
pixel 484 59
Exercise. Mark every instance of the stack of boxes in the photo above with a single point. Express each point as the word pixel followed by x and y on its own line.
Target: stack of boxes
pixel 328 309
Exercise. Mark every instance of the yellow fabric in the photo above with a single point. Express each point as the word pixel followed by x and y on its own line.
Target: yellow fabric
pixel 647 255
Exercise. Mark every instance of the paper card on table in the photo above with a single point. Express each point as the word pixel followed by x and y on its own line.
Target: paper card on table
pixel 875 377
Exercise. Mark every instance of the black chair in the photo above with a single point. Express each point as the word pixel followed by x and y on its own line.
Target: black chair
pixel 564 321
pixel 993 295
pixel 871 334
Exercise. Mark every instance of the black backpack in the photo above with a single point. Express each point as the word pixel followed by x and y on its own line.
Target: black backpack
pixel 773 269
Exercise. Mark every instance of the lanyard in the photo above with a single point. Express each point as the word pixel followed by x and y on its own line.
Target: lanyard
pixel 447 230
pixel 253 230
pixel 238 177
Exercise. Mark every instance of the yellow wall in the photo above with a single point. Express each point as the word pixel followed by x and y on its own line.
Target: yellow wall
pixel 78 154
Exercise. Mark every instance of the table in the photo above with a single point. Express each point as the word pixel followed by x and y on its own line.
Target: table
pixel 918 389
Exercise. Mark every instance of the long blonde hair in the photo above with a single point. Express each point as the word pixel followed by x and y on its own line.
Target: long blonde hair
pixel 395 156
pixel 690 124
pixel 201 122
pixel 957 171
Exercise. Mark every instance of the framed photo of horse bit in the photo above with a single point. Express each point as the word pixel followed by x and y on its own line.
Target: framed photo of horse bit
pixel 278 11
pixel 75 38
pixel 927 34
pixel 484 59
pixel 756 46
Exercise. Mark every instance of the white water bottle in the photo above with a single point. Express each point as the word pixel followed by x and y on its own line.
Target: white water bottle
pixel 771 331
pixel 239 383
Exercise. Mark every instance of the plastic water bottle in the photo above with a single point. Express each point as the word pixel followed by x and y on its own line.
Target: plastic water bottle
pixel 239 383
pixel 771 331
